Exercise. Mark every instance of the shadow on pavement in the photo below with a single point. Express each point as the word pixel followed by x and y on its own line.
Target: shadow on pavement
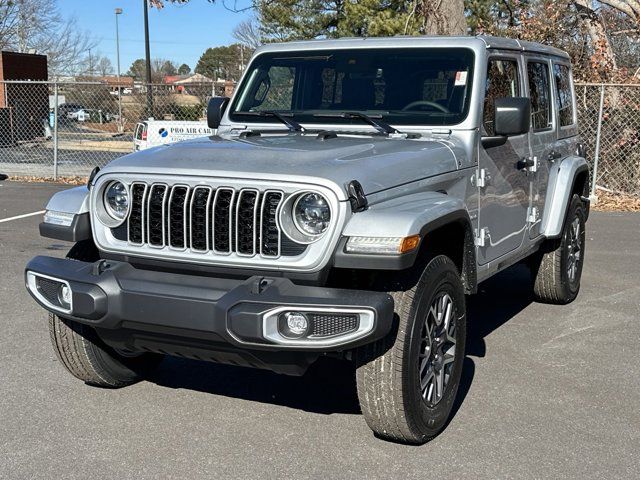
pixel 329 385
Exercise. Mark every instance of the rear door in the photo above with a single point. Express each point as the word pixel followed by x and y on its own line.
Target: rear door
pixel 504 198
pixel 542 137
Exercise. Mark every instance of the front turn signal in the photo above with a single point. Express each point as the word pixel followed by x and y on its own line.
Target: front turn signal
pixel 382 245
pixel 409 244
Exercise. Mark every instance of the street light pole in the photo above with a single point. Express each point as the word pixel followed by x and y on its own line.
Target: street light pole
pixel 118 11
pixel 148 60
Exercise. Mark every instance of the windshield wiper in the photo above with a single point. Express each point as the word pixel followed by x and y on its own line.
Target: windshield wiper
pixel 292 125
pixel 372 120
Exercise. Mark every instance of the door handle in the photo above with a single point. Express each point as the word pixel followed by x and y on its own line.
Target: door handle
pixel 525 163
pixel 554 155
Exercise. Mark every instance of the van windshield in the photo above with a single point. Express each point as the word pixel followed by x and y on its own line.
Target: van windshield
pixel 409 86
pixel 140 127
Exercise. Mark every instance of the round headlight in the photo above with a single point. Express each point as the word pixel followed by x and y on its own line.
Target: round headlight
pixel 311 214
pixel 116 200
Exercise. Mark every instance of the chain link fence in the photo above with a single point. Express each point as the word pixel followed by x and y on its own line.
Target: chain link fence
pixel 609 119
pixel 52 129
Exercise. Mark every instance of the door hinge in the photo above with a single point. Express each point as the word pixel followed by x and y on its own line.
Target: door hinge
pixel 483 178
pixel 532 214
pixel 482 237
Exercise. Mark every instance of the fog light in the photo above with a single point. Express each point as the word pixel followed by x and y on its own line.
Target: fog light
pixel 64 296
pixel 293 324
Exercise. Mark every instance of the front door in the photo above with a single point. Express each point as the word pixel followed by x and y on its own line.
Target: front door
pixel 503 187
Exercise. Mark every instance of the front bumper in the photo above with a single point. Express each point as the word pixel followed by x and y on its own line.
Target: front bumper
pixel 204 317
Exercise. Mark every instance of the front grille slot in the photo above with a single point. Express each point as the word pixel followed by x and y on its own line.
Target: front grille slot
pixel 178 216
pixel 136 217
pixel 246 217
pixel 200 218
pixel 269 231
pixel 156 215
pixel 222 220
pixel 204 219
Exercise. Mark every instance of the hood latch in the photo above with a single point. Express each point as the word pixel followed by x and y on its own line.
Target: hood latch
pixel 357 198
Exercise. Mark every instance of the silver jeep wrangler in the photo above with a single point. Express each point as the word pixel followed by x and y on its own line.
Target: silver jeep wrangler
pixel 355 192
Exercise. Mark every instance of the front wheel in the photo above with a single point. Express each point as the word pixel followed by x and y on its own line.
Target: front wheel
pixel 407 384
pixel 89 359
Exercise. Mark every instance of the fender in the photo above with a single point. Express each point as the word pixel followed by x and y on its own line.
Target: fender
pixel 419 213
pixel 74 201
pixel 562 179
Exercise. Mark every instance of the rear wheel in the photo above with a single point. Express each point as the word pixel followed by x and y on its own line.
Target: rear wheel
pixel 557 268
pixel 407 383
pixel 85 355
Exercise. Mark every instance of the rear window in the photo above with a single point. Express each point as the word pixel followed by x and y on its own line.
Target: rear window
pixel 562 75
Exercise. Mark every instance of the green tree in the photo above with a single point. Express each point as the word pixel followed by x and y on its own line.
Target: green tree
pixel 222 62
pixel 293 20
pixel 137 70
pixel 184 69
pixel 168 68
pixel 484 15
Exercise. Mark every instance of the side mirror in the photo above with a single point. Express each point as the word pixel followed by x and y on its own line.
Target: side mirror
pixel 215 111
pixel 512 116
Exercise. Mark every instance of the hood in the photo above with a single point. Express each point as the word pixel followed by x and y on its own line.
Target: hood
pixel 377 163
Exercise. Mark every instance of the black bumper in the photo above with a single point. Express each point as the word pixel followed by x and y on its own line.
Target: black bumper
pixel 200 316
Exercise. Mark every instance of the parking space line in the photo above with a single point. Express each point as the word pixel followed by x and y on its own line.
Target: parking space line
pixel 17 217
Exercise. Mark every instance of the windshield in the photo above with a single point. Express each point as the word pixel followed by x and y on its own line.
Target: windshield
pixel 409 86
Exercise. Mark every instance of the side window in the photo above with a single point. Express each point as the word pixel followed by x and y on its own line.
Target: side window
pixel 540 92
pixel 502 81
pixel 562 76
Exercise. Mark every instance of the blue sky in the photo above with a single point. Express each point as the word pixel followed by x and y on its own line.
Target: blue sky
pixel 178 32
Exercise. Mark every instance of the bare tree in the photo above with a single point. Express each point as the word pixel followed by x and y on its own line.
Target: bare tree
pixel 596 31
pixel 37 25
pixel 247 33
pixel 629 7
pixel 441 17
pixel 104 66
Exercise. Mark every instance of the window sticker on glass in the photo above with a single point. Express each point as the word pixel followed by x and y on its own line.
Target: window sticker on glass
pixel 461 78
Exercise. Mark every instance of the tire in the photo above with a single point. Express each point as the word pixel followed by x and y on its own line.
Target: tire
pixel 85 355
pixel 557 267
pixel 388 374
pixel 89 359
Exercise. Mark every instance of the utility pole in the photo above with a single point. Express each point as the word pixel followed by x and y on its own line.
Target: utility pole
pixel 148 60
pixel 118 11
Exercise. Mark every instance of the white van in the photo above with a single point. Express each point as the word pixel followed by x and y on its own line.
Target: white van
pixel 152 133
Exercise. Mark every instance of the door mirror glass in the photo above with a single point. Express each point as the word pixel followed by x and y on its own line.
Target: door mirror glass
pixel 512 116
pixel 215 111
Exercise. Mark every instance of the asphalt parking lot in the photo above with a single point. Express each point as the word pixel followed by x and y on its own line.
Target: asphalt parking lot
pixel 548 391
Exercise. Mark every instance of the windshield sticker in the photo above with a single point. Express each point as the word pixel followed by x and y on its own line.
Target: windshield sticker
pixel 461 79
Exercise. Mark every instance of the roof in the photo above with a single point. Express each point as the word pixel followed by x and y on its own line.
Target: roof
pixel 113 81
pixel 194 78
pixel 476 42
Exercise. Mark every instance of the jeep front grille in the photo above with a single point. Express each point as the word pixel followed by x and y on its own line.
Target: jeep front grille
pixel 204 219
